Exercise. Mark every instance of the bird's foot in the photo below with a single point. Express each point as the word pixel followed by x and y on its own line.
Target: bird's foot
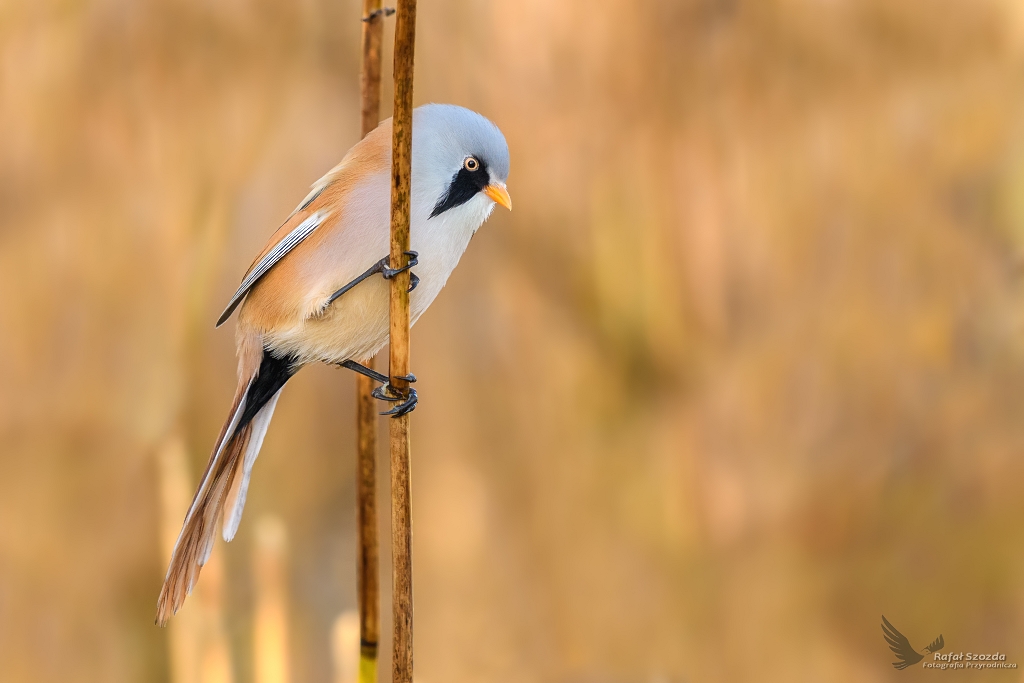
pixel 389 272
pixel 406 400
pixel 382 268
pixel 383 11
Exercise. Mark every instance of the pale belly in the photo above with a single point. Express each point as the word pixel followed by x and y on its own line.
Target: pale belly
pixel 356 326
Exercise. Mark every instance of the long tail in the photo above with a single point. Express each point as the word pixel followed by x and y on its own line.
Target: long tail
pixel 225 481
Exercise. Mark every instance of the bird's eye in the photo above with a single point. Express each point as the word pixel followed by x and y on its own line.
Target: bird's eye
pixel 471 164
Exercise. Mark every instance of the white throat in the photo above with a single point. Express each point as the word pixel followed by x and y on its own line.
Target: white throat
pixel 441 241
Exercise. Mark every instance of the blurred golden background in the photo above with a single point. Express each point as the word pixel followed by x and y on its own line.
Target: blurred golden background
pixel 743 371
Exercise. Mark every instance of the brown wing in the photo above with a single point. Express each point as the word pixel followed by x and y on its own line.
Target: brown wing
pixel 370 155
pixel 269 259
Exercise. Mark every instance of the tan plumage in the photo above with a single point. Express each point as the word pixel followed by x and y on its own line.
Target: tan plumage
pixel 285 321
pixel 298 287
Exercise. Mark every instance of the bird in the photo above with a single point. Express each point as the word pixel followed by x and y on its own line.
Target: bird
pixel 900 645
pixel 310 296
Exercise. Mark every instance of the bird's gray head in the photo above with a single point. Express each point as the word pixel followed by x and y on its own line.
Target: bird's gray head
pixel 458 155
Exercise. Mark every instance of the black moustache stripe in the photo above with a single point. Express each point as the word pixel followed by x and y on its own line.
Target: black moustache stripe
pixel 464 186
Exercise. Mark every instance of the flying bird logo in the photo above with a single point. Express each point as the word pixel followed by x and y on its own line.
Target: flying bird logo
pixel 905 652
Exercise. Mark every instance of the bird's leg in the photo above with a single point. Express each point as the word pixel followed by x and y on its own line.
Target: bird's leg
pixel 363 370
pixel 377 267
pixel 382 268
pixel 385 392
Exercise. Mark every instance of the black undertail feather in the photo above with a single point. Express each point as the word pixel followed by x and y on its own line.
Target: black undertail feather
pixel 272 375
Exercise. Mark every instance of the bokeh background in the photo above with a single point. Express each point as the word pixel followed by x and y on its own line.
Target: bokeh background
pixel 742 372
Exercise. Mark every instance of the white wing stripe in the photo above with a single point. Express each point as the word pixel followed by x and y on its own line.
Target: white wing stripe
pixel 301 232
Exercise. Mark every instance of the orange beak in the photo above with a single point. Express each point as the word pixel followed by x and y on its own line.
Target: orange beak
pixel 499 194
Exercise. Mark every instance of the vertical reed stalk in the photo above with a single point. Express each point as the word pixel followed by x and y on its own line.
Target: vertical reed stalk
pixel 367 569
pixel 401 511
pixel 369 77
pixel 368 564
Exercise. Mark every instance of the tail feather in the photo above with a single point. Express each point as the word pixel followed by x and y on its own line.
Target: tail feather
pixel 243 469
pixel 195 542
pixel 224 482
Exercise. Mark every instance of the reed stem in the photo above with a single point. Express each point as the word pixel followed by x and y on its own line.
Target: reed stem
pixel 368 558
pixel 401 511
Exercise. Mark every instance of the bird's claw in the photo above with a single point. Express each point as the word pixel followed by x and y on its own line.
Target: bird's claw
pixel 389 272
pixel 406 406
pixel 386 392
pixel 383 393
pixel 383 11
pixel 378 267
